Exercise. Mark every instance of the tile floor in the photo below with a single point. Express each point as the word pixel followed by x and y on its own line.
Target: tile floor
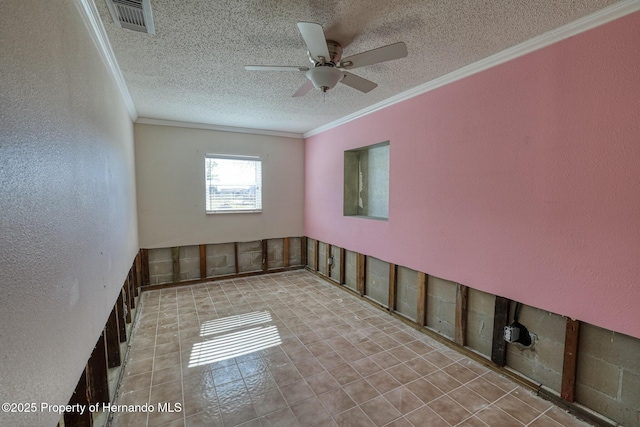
pixel 292 350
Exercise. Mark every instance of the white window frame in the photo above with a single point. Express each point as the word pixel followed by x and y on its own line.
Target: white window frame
pixel 210 188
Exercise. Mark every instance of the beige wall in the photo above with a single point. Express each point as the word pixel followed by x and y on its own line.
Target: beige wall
pixel 67 200
pixel 171 188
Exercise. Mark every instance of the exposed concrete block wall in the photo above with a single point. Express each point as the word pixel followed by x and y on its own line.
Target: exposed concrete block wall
pixel 189 262
pixel 350 270
pixel 160 266
pixel 407 292
pixel 311 253
pixel 480 311
pixel 542 361
pixel 275 252
pixel 295 251
pixel 250 256
pixel 221 259
pixel 377 280
pixel 608 378
pixel 335 267
pixel 322 258
pixel 441 306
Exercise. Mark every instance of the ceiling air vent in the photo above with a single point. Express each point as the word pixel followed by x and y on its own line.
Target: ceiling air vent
pixel 132 14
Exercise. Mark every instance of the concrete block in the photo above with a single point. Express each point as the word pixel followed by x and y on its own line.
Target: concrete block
pixel 377 280
pixel 542 362
pixel 250 256
pixel 628 416
pixel 189 257
pixel 220 259
pixel 275 252
pixel 295 253
pixel 192 251
pixel 159 254
pixel 335 267
pixel 630 393
pixel 160 267
pixel 161 278
pixel 407 292
pixel 614 347
pixel 322 260
pixel 480 310
pixel 441 305
pixel 598 374
pixel 310 252
pixel 350 270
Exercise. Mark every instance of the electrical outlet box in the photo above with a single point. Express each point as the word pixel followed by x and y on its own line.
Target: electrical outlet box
pixel 511 333
pixel 330 260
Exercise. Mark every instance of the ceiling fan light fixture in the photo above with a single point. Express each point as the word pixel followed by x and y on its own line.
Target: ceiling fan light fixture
pixel 324 78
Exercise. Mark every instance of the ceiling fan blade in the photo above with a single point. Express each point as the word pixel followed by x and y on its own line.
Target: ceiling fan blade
pixel 313 36
pixel 375 56
pixel 357 82
pixel 274 68
pixel 304 89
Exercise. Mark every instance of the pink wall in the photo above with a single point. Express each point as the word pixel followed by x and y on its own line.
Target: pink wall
pixel 522 181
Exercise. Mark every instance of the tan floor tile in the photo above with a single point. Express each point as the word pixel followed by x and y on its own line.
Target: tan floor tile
pixel 345 374
pixel 385 359
pixel 403 400
pixel 331 360
pixel 309 367
pixel 424 416
pixel 380 411
pixel 517 409
pixel 319 380
pixel 449 409
pixel 267 402
pixel 281 418
pixel 361 391
pixel 424 390
pixel 443 381
pixel 310 412
pixel 366 367
pixel 336 401
pixel 400 422
pixel 296 391
pixel 544 421
pixel 322 382
pixel 486 389
pixel 494 416
pixel 469 399
pixel 170 374
pixel 383 382
pixel 166 392
pixel 354 417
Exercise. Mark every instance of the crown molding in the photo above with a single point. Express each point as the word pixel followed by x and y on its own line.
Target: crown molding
pixel 160 122
pixel 581 25
pixel 91 18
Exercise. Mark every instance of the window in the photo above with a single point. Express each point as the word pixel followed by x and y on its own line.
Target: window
pixel 366 181
pixel 233 184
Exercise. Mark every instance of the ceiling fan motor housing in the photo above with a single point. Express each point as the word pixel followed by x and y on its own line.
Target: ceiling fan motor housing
pixel 335 54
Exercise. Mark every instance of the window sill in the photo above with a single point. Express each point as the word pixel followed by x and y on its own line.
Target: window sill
pixel 231 211
pixel 376 218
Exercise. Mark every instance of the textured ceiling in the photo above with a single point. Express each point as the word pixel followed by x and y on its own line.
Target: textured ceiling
pixel 191 70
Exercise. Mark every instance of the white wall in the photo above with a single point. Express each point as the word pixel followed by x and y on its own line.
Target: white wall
pixel 171 188
pixel 68 227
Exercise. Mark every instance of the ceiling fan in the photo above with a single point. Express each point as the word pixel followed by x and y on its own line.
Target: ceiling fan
pixel 328 66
